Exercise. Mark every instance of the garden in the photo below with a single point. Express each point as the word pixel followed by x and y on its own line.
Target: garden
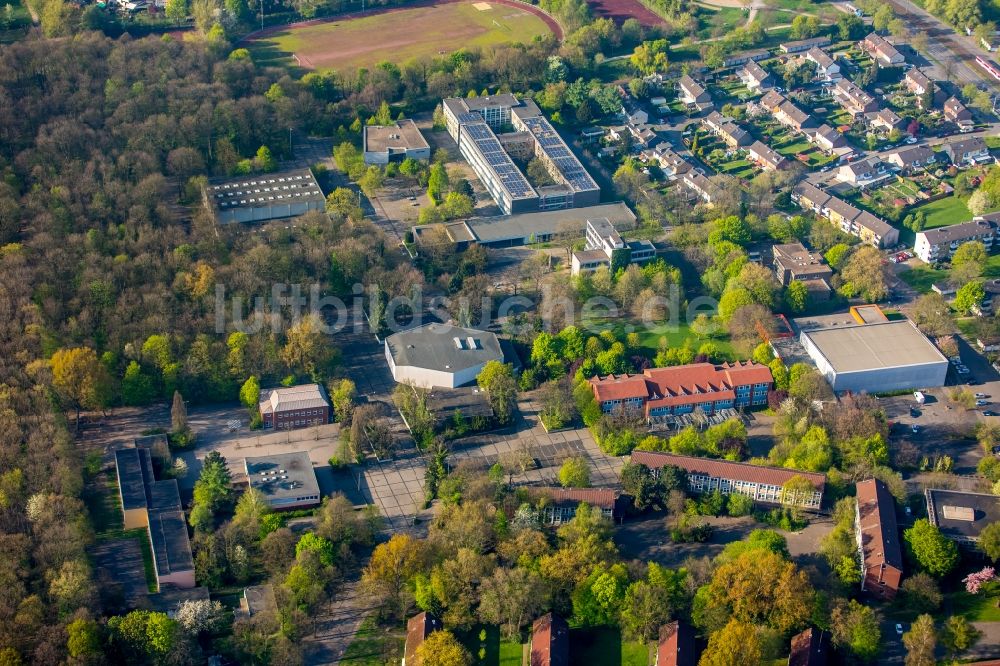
pixel 714 152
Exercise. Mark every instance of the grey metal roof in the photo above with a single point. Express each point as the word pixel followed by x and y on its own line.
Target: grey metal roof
pixel 129 462
pixel 985 510
pixel 957 232
pixel 443 347
pixel 169 537
pixel 282 476
pixel 271 195
pixel 286 398
pixel 891 344
pixel 525 225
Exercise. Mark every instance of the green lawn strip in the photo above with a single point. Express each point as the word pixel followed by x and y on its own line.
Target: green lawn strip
pixel 374 645
pixel 487 647
pixel 603 646
pixel 922 277
pixel 975 607
pixel 649 337
pixel 944 212
pixel 992 267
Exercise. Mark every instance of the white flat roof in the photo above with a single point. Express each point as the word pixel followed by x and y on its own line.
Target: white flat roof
pixel 889 344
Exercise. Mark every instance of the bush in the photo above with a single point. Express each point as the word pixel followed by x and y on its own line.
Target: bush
pixel 782 518
pixel 739 505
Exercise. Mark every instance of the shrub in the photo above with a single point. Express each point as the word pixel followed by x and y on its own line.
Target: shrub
pixel 739 505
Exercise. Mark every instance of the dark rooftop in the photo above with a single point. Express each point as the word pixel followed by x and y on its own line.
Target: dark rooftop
pixel 283 476
pixel 947 509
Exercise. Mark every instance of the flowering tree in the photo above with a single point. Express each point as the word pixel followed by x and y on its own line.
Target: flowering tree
pixel 975 581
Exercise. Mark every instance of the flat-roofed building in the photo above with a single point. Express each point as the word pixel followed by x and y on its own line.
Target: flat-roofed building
pixel 418 628
pixel 762 484
pixel 559 505
pixel 156 507
pixel 934 245
pixel 961 516
pixel 605 247
pixel 792 261
pixel 286 480
pixel 682 389
pixel 289 407
pixel 440 355
pixel 800 45
pixel 263 198
pixel 475 125
pixel 676 645
pixel 745 57
pixel 876 358
pixel 549 641
pixel 877 536
pixel 395 143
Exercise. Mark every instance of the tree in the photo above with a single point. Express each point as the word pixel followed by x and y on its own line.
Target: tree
pixel 797 296
pixel 390 568
pixel 970 295
pixel 836 255
pixel 932 315
pixel 864 274
pixel 856 628
pixel 250 393
pixel 441 648
pixel 932 551
pixel 989 541
pixel 80 379
pixel 575 473
pixel 958 635
pixel 342 396
pixel 497 379
pixel 178 415
pixel 83 641
pixel 212 491
pixel 735 644
pixel 511 597
pixel 968 261
pixel 200 616
pixel 921 592
pixel 645 609
pixel 308 348
pixel 177 10
pixel 920 641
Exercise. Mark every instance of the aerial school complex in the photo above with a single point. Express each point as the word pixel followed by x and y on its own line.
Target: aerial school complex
pixel 477 125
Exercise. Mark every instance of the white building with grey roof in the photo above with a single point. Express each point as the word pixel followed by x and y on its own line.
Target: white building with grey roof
pixel 286 480
pixel 264 197
pixel 440 355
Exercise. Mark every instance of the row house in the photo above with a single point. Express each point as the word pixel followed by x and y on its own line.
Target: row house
pixel 864 173
pixel 762 484
pixel 765 157
pixel 968 152
pixel 755 77
pixel 877 536
pixel 827 68
pixel 745 57
pixel 917 82
pixel 700 185
pixel 854 100
pixel 792 116
pixel 844 216
pixel 682 389
pixel 934 245
pixel 693 93
pixel 829 140
pixel 670 163
pixel 728 130
pixel 884 53
pixel 771 100
pixel 800 45
pixel 912 158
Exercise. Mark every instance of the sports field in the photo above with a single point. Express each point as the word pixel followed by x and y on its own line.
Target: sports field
pixel 349 42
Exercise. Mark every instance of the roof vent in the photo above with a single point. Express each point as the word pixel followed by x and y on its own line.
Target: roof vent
pixel 459 343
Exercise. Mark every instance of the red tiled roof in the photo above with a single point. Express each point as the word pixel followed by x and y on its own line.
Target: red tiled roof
pixel 604 498
pixel 418 628
pixel 724 469
pixel 676 646
pixel 549 641
pixel 659 384
pixel 877 517
pixel 809 648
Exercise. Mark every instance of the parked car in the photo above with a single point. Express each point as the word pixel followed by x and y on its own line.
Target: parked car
pixel 981 403
pixel 962 370
pixel 990 413
pixel 914 412
pixel 899 629
pixel 982 395
pixel 914 428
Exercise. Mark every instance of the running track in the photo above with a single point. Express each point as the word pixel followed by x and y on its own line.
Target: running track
pixel 547 18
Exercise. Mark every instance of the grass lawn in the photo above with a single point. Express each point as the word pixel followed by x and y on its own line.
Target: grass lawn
pixel 345 45
pixel 675 335
pixel 941 213
pixel 487 649
pixel 976 607
pixel 992 267
pixel 603 646
pixel 18 21
pixel 922 277
pixel 375 646
pixel 719 22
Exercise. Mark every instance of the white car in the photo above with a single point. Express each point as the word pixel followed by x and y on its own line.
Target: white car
pixel 982 395
pixel 899 629
pixel 962 370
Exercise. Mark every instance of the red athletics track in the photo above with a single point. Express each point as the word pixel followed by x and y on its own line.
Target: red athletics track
pixel 621 10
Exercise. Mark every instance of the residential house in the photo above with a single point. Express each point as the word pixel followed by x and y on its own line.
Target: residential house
pixel 801 45
pixel 864 173
pixel 792 116
pixel 934 245
pixel 810 648
pixel 700 185
pixel 917 82
pixel 549 641
pixel 827 68
pixel 874 231
pixel 592 135
pixel 676 645
pixel 693 94
pixel 884 53
pixel 644 135
pixel 763 156
pixel 670 163
pixel 853 99
pixel 828 139
pixel 878 539
pixel 559 505
pixel 682 389
pixel 912 158
pixel 885 119
pixel 605 247
pixel 760 483
pixel 958 113
pixel 771 100
pixel 810 197
pixel 728 130
pixel 418 628
pixel 632 113
pixel 744 57
pixel 967 151
pixel 755 77
pixel 792 261
pixel 844 216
